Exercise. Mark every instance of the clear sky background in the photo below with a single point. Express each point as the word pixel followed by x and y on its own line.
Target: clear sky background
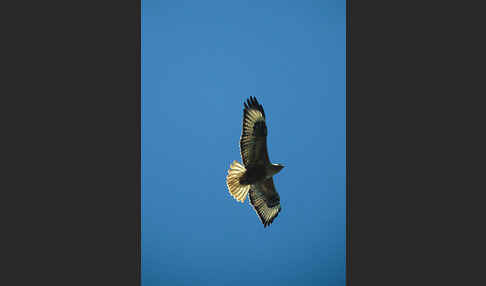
pixel 200 61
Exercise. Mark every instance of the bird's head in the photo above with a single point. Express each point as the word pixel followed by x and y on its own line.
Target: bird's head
pixel 278 167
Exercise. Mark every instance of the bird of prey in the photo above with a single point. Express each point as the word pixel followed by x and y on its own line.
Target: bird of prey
pixel 254 177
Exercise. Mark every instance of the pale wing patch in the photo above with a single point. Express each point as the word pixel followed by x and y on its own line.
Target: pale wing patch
pixel 253 137
pixel 266 205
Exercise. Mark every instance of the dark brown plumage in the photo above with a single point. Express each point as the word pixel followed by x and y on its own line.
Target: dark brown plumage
pixel 254 177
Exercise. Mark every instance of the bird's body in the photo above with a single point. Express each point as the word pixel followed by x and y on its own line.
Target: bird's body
pixel 255 176
pixel 258 173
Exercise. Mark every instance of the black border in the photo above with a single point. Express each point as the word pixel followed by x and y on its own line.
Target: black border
pixel 413 125
pixel 139 124
pixel 72 114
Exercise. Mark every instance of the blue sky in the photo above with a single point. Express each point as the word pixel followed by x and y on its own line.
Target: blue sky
pixel 200 61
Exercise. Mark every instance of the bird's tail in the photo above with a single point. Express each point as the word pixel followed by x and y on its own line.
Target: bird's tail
pixel 237 190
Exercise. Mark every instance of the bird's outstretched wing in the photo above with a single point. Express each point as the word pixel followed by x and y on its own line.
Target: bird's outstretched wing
pixel 253 141
pixel 265 200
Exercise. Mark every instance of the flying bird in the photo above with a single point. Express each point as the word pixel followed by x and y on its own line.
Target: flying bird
pixel 255 176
